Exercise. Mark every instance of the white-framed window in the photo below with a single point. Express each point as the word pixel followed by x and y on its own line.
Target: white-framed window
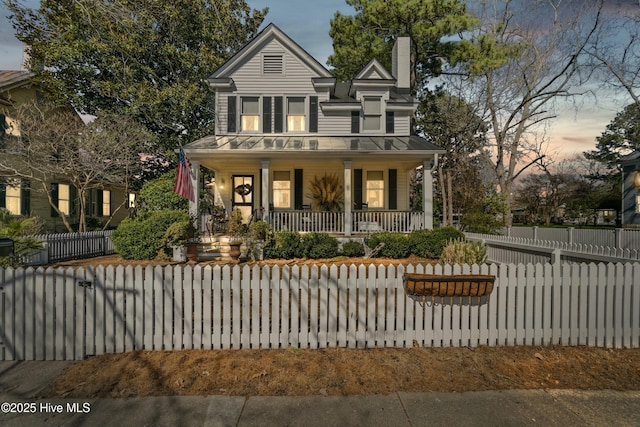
pixel 282 189
pixel 13 192
pixel 372 114
pixel 295 114
pixel 106 203
pixel 375 189
pixel 638 203
pixel 131 204
pixel 250 112
pixel 64 198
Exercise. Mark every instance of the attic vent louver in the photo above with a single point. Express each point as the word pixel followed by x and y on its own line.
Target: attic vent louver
pixel 272 64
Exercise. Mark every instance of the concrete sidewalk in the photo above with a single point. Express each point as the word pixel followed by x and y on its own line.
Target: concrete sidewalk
pixel 21 381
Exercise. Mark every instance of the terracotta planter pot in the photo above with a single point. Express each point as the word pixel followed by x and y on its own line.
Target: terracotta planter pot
pixel 192 252
pixel 473 285
pixel 234 251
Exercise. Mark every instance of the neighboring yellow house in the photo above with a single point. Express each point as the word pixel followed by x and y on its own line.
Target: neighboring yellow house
pixel 283 122
pixel 16 195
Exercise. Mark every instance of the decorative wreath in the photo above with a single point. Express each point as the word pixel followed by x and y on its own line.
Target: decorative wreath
pixel 244 189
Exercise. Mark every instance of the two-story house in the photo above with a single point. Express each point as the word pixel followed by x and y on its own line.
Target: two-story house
pixel 282 120
pixel 630 165
pixel 19 195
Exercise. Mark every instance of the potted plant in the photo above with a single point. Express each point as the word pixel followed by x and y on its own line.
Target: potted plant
pixel 259 231
pixel 237 231
pixel 456 252
pixel 180 236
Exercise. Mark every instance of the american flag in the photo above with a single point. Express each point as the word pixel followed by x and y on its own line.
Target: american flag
pixel 183 184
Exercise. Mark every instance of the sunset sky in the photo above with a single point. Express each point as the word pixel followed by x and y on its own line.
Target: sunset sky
pixel 573 132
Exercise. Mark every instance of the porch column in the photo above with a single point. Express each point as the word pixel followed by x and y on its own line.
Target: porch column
pixel 265 190
pixel 427 194
pixel 348 204
pixel 195 182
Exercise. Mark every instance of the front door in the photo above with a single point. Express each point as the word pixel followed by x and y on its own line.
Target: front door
pixel 243 195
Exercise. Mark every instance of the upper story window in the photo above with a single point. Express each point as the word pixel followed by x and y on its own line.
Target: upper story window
pixel 372 117
pixel 250 113
pixel 272 64
pixel 295 114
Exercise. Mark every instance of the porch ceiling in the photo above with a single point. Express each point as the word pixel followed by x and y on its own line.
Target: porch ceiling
pixel 264 146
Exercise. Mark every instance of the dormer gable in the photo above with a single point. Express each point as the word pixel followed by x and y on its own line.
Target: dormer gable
pixel 374 70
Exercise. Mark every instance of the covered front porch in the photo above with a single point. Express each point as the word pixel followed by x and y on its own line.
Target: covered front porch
pixel 277 185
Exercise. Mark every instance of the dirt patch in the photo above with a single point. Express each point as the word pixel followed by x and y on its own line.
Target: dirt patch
pixel 295 372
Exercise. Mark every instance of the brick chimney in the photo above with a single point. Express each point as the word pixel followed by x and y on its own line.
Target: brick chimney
pixel 400 63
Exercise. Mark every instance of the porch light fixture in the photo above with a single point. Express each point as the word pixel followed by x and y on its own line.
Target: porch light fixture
pixel 636 178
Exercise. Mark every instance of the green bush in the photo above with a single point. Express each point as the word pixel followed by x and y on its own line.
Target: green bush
pixel 463 252
pixel 157 195
pixel 19 229
pixel 352 249
pixel 318 245
pixel 284 244
pixel 143 237
pixel 396 245
pixel 430 243
pixel 260 230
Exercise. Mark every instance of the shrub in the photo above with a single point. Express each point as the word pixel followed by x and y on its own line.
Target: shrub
pixel 396 245
pixel 19 229
pixel 260 230
pixel 144 237
pixel 318 245
pixel 462 252
pixel 157 195
pixel 284 244
pixel 352 249
pixel 430 243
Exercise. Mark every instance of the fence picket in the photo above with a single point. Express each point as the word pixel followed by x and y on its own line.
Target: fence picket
pixel 343 312
pixel 254 286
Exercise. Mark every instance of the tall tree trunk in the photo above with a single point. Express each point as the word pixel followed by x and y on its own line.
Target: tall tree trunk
pixel 450 197
pixel 443 193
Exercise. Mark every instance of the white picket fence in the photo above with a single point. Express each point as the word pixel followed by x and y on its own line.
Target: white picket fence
pixel 520 250
pixel 68 314
pixel 65 246
pixel 619 238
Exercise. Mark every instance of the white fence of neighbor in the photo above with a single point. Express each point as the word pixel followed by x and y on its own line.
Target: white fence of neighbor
pixel 65 246
pixel 68 314
pixel 620 238
pixel 505 249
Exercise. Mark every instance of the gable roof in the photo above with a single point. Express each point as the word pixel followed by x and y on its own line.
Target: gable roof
pixel 251 48
pixel 374 70
pixel 11 79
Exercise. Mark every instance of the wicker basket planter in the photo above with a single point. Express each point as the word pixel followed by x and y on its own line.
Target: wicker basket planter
pixel 472 285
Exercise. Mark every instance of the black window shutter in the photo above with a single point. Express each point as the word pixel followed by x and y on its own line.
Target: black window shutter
pixel 3 193
pixel 72 199
pixel 99 202
pixel 393 189
pixel 25 197
pixel 54 198
pixel 390 122
pixel 297 189
pixel 355 122
pixel 357 189
pixel 278 114
pixel 266 114
pixel 231 114
pixel 313 114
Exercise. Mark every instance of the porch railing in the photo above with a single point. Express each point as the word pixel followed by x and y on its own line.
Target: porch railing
pixel 307 221
pixel 333 222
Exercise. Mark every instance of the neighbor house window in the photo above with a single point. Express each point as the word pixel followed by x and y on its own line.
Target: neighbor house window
pixel 64 198
pixel 638 203
pixel 12 196
pixel 375 189
pixel 250 114
pixel 131 201
pixel 295 114
pixel 106 203
pixel 281 189
pixel 372 114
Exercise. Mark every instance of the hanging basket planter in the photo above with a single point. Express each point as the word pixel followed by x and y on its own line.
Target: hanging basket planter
pixel 428 285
